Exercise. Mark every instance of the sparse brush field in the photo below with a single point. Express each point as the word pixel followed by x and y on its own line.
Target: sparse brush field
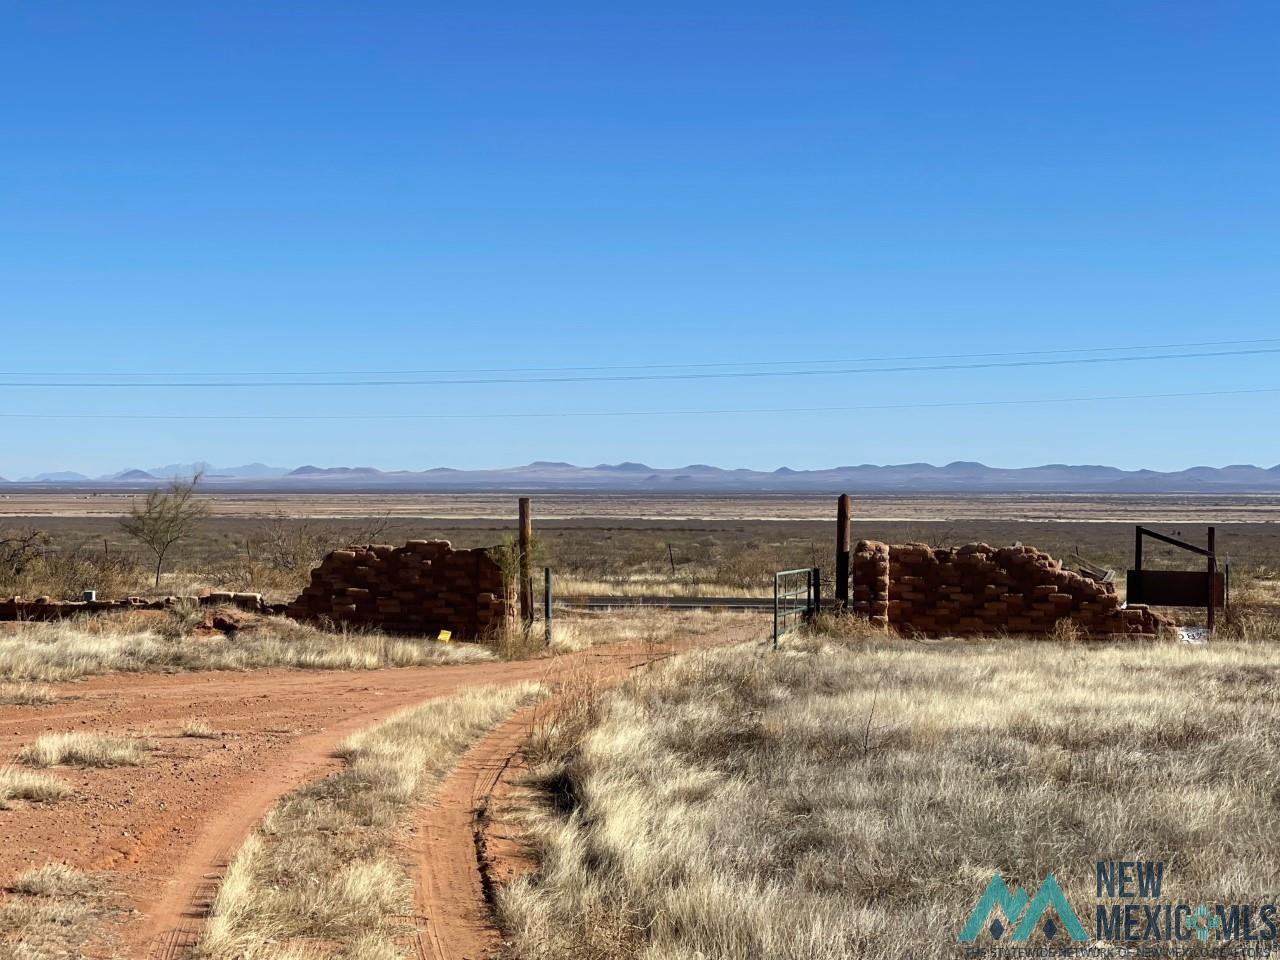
pixel 109 643
pixel 323 875
pixel 679 544
pixel 94 645
pixel 47 913
pixel 849 799
pixel 847 796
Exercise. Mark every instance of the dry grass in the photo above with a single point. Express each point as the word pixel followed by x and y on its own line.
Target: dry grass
pixel 26 694
pixel 574 630
pixel 51 880
pixel 321 878
pixel 78 648
pixel 586 628
pixel 49 912
pixel 841 800
pixel 23 785
pixel 84 750
pixel 641 585
pixel 199 730
pixel 1255 607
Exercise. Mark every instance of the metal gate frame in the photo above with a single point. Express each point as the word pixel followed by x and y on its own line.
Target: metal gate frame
pixel 796 598
pixel 1208 588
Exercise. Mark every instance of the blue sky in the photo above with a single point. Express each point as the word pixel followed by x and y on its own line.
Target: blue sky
pixel 230 188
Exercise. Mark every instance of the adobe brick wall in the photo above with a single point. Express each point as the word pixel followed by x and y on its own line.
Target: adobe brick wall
pixel 422 588
pixel 978 588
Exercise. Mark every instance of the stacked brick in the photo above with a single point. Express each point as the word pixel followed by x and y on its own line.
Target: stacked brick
pixel 420 588
pixel 870 588
pixel 978 589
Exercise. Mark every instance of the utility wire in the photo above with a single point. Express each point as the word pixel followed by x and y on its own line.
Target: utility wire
pixel 650 366
pixel 740 374
pixel 637 413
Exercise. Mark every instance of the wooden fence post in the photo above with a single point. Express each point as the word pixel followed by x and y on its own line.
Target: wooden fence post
pixel 526 578
pixel 843 508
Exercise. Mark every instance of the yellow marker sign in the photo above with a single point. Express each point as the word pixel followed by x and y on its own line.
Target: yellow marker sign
pixel 445 636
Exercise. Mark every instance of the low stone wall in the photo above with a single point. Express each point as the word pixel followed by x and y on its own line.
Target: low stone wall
pixel 46 608
pixel 983 589
pixel 421 588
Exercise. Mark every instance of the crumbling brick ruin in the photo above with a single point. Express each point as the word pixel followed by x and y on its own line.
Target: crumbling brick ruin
pixel 983 589
pixel 420 588
pixel 47 608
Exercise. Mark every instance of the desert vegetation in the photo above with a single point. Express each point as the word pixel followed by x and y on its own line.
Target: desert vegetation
pixel 197 729
pixel 84 750
pixel 850 796
pixel 47 912
pixel 274 555
pixel 37 654
pixel 87 646
pixel 165 517
pixel 26 694
pixel 16 784
pixel 323 873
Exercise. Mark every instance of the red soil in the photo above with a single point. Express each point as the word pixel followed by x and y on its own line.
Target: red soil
pixel 166 830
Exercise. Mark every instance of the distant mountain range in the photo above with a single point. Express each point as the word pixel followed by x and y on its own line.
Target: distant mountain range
pixel 246 472
pixel 958 477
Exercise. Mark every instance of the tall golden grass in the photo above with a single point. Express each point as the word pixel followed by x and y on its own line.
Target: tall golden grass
pixel 850 799
pixel 322 876
pixel 87 646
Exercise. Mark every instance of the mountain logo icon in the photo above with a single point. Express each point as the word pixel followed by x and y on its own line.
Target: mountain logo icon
pixel 1023 915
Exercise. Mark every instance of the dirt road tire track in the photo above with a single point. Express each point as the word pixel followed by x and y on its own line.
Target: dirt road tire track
pixel 463 846
pixel 173 920
pixel 165 831
pixel 453 908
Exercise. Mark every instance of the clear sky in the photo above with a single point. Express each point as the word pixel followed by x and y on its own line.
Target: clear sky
pixel 229 188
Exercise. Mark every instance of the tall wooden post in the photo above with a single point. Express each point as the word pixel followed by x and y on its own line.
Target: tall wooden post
pixel 1213 577
pixel 526 577
pixel 843 509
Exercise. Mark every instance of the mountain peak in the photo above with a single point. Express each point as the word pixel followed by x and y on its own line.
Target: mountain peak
pixel 313 471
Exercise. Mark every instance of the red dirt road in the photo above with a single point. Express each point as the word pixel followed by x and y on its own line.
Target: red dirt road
pixel 468 841
pixel 453 909
pixel 164 830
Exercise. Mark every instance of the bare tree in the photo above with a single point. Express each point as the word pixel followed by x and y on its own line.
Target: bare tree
pixel 20 548
pixel 165 517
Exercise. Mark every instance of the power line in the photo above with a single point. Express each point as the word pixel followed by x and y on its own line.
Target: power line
pixel 1033 401
pixel 650 366
pixel 744 374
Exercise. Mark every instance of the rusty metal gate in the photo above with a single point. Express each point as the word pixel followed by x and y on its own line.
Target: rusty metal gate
pixel 1179 588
